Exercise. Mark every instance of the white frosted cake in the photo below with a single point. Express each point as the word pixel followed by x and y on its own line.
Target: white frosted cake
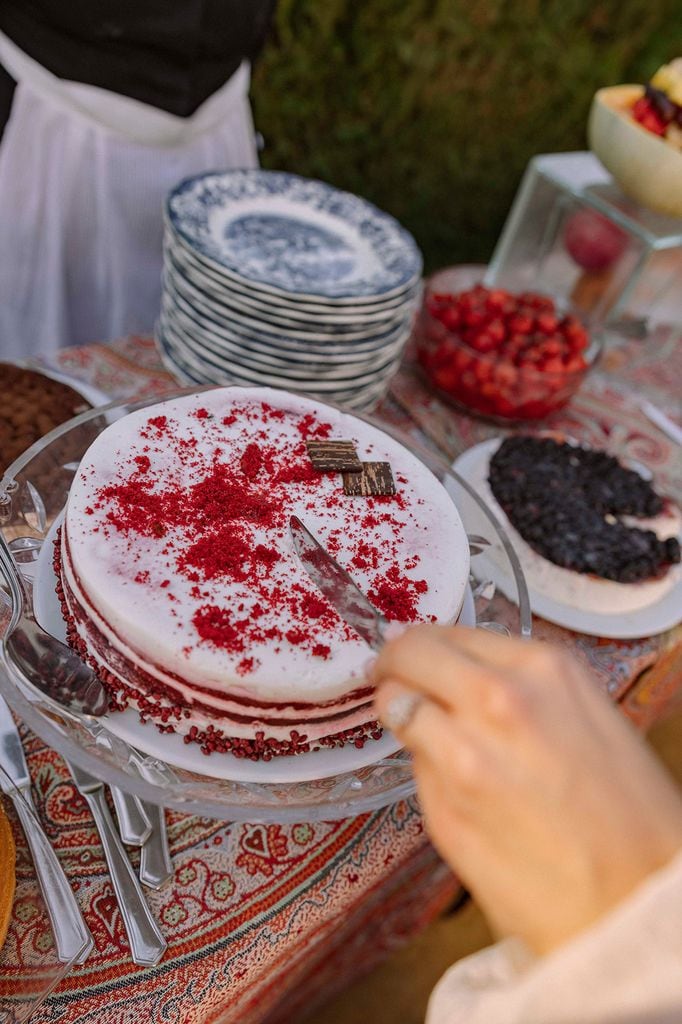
pixel 180 584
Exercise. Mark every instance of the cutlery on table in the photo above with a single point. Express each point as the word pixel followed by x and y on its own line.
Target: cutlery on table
pixel 134 824
pixel 72 937
pixel 338 586
pixel 662 421
pixel 156 866
pixel 147 944
pixel 62 676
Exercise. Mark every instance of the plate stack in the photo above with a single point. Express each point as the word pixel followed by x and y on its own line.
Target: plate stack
pixel 278 280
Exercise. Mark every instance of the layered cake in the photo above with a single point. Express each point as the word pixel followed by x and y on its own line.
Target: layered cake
pixel 588 531
pixel 180 583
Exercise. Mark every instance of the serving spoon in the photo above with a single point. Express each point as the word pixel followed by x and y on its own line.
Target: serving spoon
pixel 62 676
pixel 47 663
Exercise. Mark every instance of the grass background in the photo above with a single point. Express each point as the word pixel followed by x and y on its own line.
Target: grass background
pixel 432 108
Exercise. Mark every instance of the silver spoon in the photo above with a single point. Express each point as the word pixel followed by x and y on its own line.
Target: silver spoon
pixel 47 663
pixel 62 676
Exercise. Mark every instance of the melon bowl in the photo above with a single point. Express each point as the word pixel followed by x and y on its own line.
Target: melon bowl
pixel 646 167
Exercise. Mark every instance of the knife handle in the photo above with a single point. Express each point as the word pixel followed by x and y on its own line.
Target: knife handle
pixel 147 944
pixel 71 935
pixel 134 825
pixel 156 866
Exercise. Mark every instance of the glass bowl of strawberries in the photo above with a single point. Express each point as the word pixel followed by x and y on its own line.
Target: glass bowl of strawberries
pixel 503 356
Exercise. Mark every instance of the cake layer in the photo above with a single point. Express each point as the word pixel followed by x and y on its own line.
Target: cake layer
pixel 180 579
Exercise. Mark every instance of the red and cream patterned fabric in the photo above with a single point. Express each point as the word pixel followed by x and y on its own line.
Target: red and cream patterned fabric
pixel 264 922
pixel 251 915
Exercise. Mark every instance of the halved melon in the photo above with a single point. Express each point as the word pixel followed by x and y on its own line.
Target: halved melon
pixel 646 167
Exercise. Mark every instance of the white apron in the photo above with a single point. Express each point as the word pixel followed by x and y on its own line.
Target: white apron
pixel 83 177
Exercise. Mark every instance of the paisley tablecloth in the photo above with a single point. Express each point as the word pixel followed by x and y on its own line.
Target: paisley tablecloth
pixel 265 922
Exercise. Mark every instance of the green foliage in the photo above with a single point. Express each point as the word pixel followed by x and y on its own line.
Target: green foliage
pixel 432 108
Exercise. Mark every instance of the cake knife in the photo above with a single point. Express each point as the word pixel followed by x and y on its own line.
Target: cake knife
pixel 147 944
pixel 338 586
pixel 72 937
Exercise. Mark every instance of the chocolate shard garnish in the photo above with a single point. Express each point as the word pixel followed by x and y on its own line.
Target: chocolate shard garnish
pixel 375 481
pixel 334 456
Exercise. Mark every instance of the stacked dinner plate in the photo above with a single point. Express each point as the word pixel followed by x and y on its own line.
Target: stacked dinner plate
pixel 278 280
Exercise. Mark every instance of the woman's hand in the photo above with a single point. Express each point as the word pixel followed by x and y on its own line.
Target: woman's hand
pixel 541 797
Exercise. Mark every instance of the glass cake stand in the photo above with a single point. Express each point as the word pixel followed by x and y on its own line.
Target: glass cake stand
pixel 33 493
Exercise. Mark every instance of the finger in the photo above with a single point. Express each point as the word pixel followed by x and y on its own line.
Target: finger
pixel 483 646
pixel 527 661
pixel 435 737
pixel 427 662
pixel 411 716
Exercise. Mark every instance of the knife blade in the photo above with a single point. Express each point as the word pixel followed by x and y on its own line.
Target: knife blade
pixel 337 586
pixel 72 937
pixel 147 944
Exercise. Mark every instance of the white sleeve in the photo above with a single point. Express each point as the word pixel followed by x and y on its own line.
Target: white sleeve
pixel 625 969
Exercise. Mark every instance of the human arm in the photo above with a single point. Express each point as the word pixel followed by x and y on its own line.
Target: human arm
pixel 542 798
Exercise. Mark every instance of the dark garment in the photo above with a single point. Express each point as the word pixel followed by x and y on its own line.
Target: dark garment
pixel 7 84
pixel 172 54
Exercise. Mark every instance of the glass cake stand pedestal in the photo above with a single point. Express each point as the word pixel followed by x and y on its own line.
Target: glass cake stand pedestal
pixel 573 234
pixel 321 785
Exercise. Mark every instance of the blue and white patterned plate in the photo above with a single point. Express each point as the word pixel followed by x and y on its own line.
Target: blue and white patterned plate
pixel 358 307
pixel 236 324
pixel 190 369
pixel 297 362
pixel 209 350
pixel 199 282
pixel 293 235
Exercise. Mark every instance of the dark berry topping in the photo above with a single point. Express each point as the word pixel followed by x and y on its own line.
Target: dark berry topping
pixel 566 503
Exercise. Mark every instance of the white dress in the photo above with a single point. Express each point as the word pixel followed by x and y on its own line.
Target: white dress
pixel 83 177
pixel 626 969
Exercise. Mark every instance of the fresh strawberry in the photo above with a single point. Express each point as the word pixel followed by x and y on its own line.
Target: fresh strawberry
pixel 648 116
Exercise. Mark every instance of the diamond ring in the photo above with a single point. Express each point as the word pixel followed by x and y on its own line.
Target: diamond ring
pixel 400 710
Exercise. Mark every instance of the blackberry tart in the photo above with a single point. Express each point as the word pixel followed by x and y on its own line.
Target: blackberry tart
pixel 589 532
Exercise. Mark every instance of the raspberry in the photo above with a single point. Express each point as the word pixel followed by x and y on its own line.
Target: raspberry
pixel 491 349
pixel 547 323
pixel 648 116
pixel 521 324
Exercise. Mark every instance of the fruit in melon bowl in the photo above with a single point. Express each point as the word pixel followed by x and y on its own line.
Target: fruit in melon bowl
pixel 503 356
pixel 636 131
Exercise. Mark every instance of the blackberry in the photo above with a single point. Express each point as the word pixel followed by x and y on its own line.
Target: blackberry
pixel 566 503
